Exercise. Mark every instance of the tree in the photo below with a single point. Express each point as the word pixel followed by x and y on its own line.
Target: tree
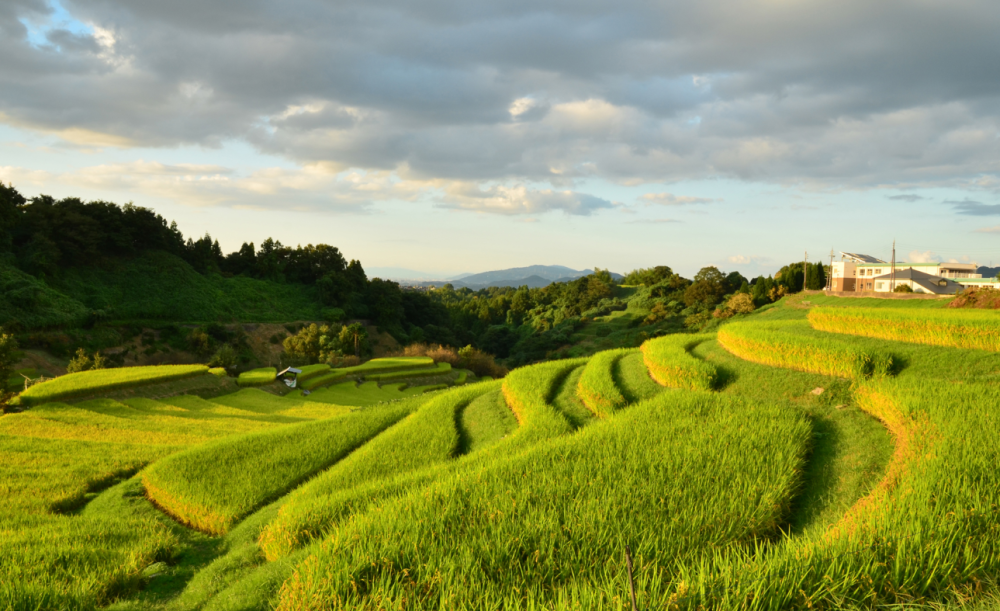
pixel 8 351
pixel 11 203
pixel 83 362
pixel 649 277
pixel 791 277
pixel 385 302
pixel 708 288
pixel 741 303
pixel 354 335
pixel 734 280
pixel 225 357
pixel 306 344
pixel 817 277
pixel 903 288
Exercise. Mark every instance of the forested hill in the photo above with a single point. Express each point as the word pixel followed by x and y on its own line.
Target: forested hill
pixel 68 264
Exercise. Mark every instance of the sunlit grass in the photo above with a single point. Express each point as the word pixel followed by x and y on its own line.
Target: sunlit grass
pixel 103 380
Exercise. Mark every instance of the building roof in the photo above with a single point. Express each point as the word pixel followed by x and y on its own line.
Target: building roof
pixel 859 258
pixel 932 284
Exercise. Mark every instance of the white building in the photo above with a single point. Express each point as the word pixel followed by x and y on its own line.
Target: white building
pixel 862 273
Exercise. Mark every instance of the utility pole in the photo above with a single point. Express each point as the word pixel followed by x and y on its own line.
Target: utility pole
pixel 805 271
pixel 892 279
pixel 829 284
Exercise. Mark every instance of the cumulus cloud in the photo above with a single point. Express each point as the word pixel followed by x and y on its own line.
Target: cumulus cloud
pixel 309 189
pixel 831 94
pixel 748 259
pixel 519 200
pixel 993 229
pixel 926 256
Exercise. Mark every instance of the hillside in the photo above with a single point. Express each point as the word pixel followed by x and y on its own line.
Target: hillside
pixel 752 461
pixel 158 285
pixel 533 276
pixel 547 272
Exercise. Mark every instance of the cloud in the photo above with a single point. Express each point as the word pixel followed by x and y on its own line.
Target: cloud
pixel 503 91
pixel 669 199
pixel 748 260
pixel 23 176
pixel 519 200
pixel 308 189
pixel 907 197
pixel 926 256
pixel 652 221
pixel 973 208
pixel 993 229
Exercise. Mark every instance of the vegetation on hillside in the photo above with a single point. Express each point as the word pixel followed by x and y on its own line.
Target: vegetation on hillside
pixel 96 275
pixel 778 484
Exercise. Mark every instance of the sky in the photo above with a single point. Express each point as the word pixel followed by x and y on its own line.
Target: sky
pixel 455 136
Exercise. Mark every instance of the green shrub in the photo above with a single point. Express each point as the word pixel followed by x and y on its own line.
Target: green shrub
pixel 257 377
pixel 218 371
pixel 83 362
pixel 105 380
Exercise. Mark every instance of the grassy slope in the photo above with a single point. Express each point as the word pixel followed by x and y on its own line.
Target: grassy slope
pixel 469 540
pixel 28 302
pixel 214 485
pixel 633 379
pixel 85 383
pixel 358 395
pixel 850 449
pixel 47 463
pixel 483 422
pixel 426 438
pixel 156 286
pixel 928 532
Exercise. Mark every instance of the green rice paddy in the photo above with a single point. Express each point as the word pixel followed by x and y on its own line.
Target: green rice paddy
pixel 774 465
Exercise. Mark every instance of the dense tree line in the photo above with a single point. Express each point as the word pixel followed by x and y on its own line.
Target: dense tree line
pixel 43 236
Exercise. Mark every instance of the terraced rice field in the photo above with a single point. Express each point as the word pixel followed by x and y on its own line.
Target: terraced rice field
pixel 774 465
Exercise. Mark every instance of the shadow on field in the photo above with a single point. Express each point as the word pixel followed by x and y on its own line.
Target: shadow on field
pixel 899 363
pixel 464 443
pixel 818 489
pixel 724 376
pixel 76 502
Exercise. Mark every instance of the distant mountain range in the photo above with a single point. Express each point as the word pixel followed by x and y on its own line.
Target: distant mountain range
pixel 533 276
